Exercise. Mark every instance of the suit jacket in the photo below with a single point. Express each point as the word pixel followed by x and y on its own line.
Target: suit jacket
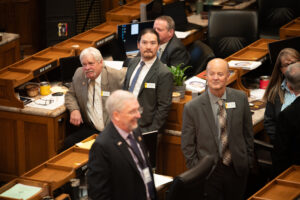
pixel 175 53
pixel 112 172
pixel 77 96
pixel 156 101
pixel 200 134
pixel 271 117
pixel 287 142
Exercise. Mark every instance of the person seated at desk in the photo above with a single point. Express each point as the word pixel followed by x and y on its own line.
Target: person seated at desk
pixel 152 83
pixel 118 166
pixel 171 50
pixel 219 123
pixel 91 85
pixel 277 94
pixel 287 143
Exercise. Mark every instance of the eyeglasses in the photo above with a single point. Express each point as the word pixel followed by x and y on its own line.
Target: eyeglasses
pixel 133 112
pixel 44 101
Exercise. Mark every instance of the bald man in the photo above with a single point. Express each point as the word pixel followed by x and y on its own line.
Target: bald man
pixel 219 123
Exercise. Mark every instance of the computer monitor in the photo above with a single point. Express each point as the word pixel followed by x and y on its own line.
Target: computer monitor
pixel 68 66
pixel 276 47
pixel 128 33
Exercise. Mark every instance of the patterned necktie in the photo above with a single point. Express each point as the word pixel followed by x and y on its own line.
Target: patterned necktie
pixel 138 71
pixel 142 162
pixel 91 92
pixel 226 155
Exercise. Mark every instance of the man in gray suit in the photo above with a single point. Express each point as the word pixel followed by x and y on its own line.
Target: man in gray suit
pixel 152 83
pixel 171 50
pixel 219 123
pixel 92 84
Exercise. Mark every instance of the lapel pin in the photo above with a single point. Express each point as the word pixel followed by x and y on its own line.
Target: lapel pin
pixel 83 83
pixel 119 143
pixel 139 138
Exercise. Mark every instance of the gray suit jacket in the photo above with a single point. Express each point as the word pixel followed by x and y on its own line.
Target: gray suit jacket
pixel 77 96
pixel 175 53
pixel 156 101
pixel 200 134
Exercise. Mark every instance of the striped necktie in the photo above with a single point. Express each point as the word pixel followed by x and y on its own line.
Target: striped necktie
pixel 138 71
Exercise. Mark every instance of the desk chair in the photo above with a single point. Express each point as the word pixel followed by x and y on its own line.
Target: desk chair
pixel 231 30
pixel 189 185
pixel 201 54
pixel 275 13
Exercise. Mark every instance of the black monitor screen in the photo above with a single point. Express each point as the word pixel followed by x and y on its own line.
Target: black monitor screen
pixel 128 33
pixel 276 47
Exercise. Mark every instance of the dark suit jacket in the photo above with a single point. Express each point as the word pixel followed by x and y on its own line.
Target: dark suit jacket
pixel 200 134
pixel 175 53
pixel 287 143
pixel 112 172
pixel 156 101
pixel 76 97
pixel 271 117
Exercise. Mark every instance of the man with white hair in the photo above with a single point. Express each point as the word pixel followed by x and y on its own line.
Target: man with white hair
pixel 118 166
pixel 287 143
pixel 91 85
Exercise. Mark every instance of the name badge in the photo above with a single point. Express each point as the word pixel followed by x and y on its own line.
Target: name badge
pixel 230 105
pixel 150 85
pixel 147 175
pixel 105 93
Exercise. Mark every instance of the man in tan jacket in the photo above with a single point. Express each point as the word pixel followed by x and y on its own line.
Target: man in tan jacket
pixel 92 84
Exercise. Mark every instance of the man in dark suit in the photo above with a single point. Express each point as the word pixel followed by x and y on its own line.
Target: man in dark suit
pixel 287 144
pixel 118 166
pixel 171 50
pixel 218 123
pixel 152 83
pixel 86 101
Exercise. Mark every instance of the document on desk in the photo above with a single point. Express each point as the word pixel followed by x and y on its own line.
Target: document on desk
pixel 86 145
pixel 182 35
pixel 195 84
pixel 257 94
pixel 48 102
pixel 160 180
pixel 244 64
pixel 114 64
pixel 21 191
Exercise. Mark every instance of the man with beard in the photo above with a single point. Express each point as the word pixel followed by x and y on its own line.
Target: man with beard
pixel 118 166
pixel 152 83
pixel 92 84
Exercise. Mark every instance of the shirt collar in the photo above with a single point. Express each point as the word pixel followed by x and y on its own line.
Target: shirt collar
pixel 163 46
pixel 284 86
pixel 214 98
pixel 123 133
pixel 149 63
pixel 97 80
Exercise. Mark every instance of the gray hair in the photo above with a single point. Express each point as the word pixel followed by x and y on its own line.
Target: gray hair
pixel 91 51
pixel 116 101
pixel 292 75
pixel 169 20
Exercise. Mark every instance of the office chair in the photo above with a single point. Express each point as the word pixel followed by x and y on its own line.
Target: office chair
pixel 189 185
pixel 275 13
pixel 201 54
pixel 231 30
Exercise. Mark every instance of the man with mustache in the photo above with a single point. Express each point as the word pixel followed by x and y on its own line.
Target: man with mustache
pixel 92 84
pixel 152 83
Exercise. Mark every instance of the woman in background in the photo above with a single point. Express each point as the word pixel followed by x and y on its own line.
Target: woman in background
pixel 277 94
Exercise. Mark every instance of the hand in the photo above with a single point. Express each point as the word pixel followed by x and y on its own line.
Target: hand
pixel 75 118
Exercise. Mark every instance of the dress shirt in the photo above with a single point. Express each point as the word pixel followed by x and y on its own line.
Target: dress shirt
pixel 124 135
pixel 289 97
pixel 142 75
pixel 95 111
pixel 215 107
pixel 162 49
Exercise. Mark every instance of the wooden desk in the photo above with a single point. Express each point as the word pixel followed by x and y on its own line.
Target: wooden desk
pixel 9 49
pixel 291 29
pixel 285 186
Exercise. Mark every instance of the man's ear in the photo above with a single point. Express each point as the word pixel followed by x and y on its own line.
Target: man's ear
pixel 116 116
pixel 138 45
pixel 290 87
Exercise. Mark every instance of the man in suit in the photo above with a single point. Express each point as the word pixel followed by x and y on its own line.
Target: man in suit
pixel 287 144
pixel 171 50
pixel 152 83
pixel 218 123
pixel 118 166
pixel 92 84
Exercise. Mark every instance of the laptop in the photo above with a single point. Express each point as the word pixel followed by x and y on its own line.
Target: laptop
pixel 68 66
pixel 276 47
pixel 176 10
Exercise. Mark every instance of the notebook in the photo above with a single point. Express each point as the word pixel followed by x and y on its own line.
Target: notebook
pixel 176 10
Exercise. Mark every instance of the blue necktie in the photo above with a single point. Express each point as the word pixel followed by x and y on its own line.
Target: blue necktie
pixel 141 161
pixel 138 71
